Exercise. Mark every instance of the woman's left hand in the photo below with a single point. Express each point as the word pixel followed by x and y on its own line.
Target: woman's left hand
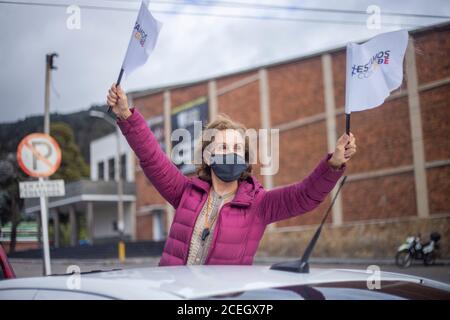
pixel 345 149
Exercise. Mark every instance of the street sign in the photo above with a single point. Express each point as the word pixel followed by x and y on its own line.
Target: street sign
pixel 39 155
pixel 45 188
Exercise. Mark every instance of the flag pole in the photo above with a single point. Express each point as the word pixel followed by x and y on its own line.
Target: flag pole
pixel 348 63
pixel 117 83
pixel 347 123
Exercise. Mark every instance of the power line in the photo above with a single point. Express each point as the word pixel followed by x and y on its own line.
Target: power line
pixel 171 12
pixel 234 4
pixel 294 8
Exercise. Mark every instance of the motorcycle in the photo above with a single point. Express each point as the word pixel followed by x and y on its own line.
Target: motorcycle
pixel 414 249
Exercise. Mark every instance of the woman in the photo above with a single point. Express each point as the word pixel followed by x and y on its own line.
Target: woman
pixel 221 213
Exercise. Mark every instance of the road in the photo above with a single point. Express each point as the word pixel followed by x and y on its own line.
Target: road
pixel 33 267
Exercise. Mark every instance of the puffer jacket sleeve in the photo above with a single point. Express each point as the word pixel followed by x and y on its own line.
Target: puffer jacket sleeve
pixel 300 197
pixel 157 167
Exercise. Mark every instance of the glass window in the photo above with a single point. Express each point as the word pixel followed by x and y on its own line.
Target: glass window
pixel 111 169
pixel 123 167
pixel 101 170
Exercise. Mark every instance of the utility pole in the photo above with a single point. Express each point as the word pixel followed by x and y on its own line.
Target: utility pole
pixel 48 78
pixel 120 213
pixel 119 180
pixel 44 200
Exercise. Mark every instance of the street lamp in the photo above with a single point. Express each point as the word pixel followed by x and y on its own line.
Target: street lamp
pixel 120 214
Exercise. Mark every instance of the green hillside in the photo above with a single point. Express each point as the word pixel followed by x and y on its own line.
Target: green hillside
pixel 85 128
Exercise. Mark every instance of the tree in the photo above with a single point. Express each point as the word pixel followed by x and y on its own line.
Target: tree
pixel 11 205
pixel 73 167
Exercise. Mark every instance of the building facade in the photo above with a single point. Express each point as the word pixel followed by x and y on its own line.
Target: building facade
pixel 398 183
pixel 103 160
pixel 89 208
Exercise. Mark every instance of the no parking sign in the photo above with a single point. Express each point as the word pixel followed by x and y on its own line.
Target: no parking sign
pixel 39 155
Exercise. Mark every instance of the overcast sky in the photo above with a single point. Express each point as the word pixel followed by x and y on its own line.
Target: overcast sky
pixel 190 47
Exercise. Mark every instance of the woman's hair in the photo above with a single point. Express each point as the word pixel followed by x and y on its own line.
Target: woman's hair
pixel 222 122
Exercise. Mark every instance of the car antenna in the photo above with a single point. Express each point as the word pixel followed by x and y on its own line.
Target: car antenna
pixel 302 265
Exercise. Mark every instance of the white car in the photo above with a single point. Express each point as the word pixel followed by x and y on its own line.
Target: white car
pixel 225 282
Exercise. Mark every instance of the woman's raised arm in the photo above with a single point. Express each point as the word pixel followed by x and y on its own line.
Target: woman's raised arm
pixel 300 197
pixel 157 167
pixel 297 198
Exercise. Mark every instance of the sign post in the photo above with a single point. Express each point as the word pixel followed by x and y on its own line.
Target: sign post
pixel 39 156
pixel 45 242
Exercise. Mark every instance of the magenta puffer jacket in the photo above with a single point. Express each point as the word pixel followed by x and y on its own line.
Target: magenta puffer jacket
pixel 242 221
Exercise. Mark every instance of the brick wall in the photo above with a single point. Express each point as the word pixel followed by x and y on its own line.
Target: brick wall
pixel 296 92
pixel 146 193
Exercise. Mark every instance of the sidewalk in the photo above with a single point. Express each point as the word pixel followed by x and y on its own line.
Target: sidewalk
pixel 153 261
pixel 346 261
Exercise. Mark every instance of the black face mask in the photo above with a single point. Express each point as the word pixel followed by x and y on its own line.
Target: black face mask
pixel 228 167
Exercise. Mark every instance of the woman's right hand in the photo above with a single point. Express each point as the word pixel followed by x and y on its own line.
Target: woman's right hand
pixel 117 99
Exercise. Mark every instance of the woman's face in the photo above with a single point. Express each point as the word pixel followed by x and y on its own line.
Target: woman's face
pixel 226 141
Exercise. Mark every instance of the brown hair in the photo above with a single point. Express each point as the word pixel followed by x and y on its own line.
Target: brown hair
pixel 222 122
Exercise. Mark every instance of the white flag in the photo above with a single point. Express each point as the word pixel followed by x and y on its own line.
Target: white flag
pixel 143 39
pixel 374 69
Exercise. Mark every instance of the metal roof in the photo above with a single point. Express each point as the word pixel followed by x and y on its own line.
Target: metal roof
pixel 85 190
pixel 193 282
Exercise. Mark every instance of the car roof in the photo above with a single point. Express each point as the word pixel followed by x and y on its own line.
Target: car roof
pixel 193 282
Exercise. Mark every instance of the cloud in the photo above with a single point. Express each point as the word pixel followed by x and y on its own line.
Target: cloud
pixel 189 47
